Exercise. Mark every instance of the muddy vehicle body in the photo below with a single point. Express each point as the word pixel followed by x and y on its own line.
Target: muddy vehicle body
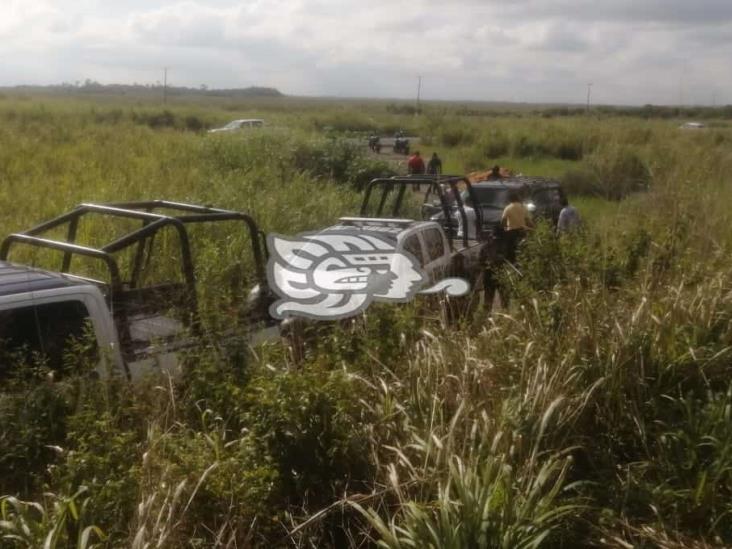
pixel 375 144
pixel 541 196
pixel 136 327
pixel 468 251
pixel 439 248
pixel 401 146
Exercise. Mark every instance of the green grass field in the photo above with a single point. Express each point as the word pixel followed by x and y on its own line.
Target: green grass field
pixel 593 411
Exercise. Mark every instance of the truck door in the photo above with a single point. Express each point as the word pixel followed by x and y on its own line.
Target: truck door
pixel 57 334
pixel 437 263
pixel 155 344
pixel 413 244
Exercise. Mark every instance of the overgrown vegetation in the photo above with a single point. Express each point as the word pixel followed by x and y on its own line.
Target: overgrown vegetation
pixel 594 411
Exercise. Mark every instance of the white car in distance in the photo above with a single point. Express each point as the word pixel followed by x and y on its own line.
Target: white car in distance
pixel 237 125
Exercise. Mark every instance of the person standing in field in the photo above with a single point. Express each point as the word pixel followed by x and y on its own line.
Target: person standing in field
pixel 569 218
pixel 515 221
pixel 415 166
pixel 434 166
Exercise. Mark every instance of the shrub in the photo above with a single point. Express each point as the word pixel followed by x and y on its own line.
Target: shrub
pixel 495 145
pixel 103 454
pixel 55 522
pixel 454 136
pixel 204 483
pixel 581 180
pixel 32 427
pixel 394 108
pixel 310 425
pixel 155 119
pixel 568 147
pixel 525 146
pixel 620 171
pixel 194 123
pixel 612 172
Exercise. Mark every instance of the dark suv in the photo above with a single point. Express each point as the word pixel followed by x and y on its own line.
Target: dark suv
pixel 543 198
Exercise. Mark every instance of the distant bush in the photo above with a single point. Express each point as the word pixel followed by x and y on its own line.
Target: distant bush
pixel 568 146
pixel 581 180
pixel 612 172
pixel 194 123
pixel 495 144
pixel 620 170
pixel 452 136
pixel 155 119
pixel 394 108
pixel 526 146
pixel 337 160
pixel 344 123
pixel 112 116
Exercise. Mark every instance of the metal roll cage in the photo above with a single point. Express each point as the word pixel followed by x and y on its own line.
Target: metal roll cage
pixel 435 185
pixel 152 223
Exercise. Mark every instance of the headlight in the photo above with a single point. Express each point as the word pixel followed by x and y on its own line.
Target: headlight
pixel 531 207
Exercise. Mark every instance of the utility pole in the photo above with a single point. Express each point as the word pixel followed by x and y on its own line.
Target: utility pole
pixel 589 92
pixel 419 91
pixel 165 85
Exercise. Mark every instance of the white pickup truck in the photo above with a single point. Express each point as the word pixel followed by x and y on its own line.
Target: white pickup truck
pixel 443 248
pixel 426 241
pixel 133 328
pixel 41 312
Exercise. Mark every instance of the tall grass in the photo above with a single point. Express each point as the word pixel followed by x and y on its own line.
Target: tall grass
pixel 594 411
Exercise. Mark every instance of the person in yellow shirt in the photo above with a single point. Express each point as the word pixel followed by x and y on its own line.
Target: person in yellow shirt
pixel 515 221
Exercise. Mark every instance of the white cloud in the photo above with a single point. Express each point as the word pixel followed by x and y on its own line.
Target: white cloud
pixel 525 50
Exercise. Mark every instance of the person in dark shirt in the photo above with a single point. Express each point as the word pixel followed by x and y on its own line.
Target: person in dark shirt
pixel 434 166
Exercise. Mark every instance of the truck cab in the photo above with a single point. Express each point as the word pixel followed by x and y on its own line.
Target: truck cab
pixel 424 240
pixel 451 197
pixel 42 313
pixel 136 326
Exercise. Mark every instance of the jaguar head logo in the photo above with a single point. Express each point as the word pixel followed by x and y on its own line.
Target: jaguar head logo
pixel 338 274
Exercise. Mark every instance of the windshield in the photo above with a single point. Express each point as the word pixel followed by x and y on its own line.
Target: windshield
pixel 232 125
pixel 490 197
pixel 546 197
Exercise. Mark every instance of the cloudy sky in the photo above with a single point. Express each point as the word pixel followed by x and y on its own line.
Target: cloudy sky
pixel 633 51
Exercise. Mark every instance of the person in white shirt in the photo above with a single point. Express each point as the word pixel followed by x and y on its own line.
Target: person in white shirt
pixel 569 218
